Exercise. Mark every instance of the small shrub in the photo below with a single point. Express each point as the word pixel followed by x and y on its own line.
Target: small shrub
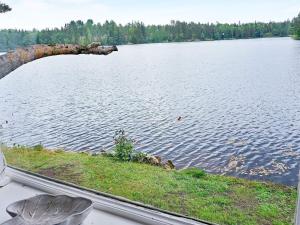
pixel 123 146
pixel 38 147
pixel 124 151
pixel 139 157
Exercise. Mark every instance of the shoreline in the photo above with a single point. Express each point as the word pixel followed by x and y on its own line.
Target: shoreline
pixel 191 192
pixel 157 160
pixel 2 51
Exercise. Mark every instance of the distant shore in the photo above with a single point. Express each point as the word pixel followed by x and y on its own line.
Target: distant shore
pixel 3 51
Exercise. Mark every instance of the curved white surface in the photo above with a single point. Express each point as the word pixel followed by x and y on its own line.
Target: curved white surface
pixel 107 211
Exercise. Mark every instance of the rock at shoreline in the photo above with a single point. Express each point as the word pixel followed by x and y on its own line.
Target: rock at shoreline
pixel 169 165
pixel 145 158
pixel 153 160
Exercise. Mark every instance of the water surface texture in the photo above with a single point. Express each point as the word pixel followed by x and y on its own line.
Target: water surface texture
pixel 239 102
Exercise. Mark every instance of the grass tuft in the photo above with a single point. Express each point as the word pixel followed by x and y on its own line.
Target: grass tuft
pixel 193 172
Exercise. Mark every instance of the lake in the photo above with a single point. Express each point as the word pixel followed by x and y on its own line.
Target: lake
pixel 239 104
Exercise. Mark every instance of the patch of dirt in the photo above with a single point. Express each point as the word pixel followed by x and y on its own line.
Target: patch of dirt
pixel 65 172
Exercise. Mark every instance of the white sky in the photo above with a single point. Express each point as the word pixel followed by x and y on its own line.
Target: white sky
pixel 29 14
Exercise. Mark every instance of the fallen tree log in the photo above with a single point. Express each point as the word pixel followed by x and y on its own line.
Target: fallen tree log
pixel 14 59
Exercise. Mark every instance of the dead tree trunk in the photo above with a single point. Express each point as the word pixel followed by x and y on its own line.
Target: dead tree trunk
pixel 14 59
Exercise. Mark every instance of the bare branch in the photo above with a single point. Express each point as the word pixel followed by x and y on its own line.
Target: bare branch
pixel 14 59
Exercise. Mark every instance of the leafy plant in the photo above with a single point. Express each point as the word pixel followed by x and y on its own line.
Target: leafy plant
pixel 124 148
pixel 139 157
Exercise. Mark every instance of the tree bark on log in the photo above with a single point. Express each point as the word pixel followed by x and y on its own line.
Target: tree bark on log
pixel 14 59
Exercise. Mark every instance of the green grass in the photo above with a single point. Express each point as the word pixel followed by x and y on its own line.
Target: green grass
pixel 219 199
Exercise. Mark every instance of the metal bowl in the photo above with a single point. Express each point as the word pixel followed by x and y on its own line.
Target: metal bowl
pixel 49 210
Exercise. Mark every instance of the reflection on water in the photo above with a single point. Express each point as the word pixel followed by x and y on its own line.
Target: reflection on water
pixel 238 104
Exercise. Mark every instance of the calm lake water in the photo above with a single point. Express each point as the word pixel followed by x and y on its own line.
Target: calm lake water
pixel 239 102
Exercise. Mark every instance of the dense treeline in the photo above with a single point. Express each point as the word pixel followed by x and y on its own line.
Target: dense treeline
pixel 110 33
pixel 296 27
pixel 10 39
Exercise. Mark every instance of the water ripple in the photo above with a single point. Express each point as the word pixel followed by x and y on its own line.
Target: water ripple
pixel 240 110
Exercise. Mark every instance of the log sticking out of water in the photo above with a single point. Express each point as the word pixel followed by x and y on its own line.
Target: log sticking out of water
pixel 14 59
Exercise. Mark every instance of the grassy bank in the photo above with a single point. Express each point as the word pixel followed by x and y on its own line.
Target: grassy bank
pixel 219 199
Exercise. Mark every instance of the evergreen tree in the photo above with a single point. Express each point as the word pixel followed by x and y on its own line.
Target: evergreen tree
pixel 296 27
pixel 111 33
pixel 4 8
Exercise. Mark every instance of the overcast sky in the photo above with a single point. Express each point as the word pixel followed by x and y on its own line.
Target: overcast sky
pixel 28 14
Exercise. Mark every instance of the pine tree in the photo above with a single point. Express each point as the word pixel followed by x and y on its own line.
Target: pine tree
pixel 296 27
pixel 4 8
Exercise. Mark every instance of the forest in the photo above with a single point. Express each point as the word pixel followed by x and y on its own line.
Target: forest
pixel 295 27
pixel 111 33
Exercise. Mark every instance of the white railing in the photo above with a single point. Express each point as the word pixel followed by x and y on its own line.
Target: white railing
pixel 2 164
pixel 3 179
